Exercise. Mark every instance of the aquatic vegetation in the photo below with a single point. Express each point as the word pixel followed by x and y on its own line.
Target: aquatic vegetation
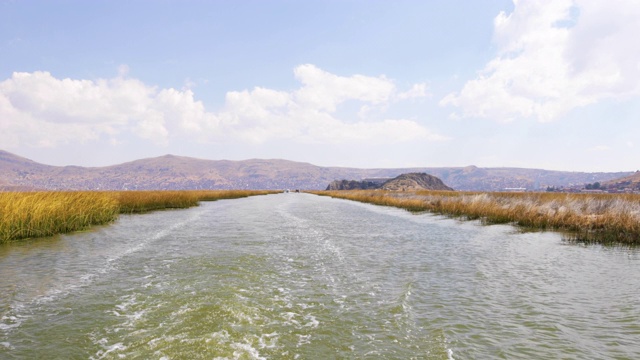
pixel 212 195
pixel 143 201
pixel 36 214
pixel 601 218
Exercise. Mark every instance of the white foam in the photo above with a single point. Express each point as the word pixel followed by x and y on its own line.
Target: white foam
pixel 290 318
pixel 268 341
pixel 305 306
pixel 303 339
pixel 313 322
pixel 243 349
pixel 9 322
pixel 107 349
pixel 221 336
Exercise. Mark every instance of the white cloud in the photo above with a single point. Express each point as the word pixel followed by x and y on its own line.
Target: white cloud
pixel 554 56
pixel 324 91
pixel 416 91
pixel 308 114
pixel 40 110
pixel 179 108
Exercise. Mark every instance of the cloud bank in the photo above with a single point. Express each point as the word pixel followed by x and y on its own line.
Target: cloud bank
pixel 555 56
pixel 41 110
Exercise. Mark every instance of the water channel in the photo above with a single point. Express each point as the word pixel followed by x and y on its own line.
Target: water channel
pixel 298 276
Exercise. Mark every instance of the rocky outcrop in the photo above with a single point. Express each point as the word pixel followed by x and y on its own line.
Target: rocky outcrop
pixel 410 181
pixel 415 181
pixel 354 185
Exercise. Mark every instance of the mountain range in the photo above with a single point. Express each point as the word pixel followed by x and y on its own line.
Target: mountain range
pixel 178 172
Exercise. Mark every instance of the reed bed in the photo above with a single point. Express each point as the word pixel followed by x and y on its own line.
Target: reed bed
pixel 36 214
pixel 600 218
pixel 144 201
pixel 212 195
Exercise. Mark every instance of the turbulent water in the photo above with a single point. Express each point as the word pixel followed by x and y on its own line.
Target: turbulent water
pixel 297 276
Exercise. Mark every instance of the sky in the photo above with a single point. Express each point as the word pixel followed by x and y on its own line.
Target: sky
pixel 370 84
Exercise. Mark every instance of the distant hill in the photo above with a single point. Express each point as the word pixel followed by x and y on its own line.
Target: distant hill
pixel 178 172
pixel 626 183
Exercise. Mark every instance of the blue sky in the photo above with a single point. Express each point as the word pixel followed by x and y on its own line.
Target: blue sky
pixel 536 84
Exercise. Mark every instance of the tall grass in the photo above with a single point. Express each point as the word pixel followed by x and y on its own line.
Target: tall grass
pixel 25 215
pixel 143 201
pixel 602 218
pixel 37 214
pixel 212 195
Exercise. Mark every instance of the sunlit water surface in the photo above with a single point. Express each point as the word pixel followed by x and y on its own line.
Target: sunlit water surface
pixel 293 276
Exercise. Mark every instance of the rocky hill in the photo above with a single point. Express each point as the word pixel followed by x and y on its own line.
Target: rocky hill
pixel 415 181
pixel 177 172
pixel 355 184
pixel 410 181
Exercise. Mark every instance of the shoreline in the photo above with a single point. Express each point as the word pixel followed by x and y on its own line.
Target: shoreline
pixel 591 218
pixel 25 215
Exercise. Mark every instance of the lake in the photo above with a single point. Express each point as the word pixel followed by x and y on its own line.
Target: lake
pixel 299 276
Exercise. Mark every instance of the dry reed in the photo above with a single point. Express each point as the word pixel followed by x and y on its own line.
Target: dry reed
pixel 143 201
pixel 601 218
pixel 212 195
pixel 36 214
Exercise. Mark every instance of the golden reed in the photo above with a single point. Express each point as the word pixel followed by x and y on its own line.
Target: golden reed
pixel 601 218
pixel 36 214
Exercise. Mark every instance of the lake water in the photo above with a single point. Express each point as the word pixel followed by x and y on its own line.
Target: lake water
pixel 298 276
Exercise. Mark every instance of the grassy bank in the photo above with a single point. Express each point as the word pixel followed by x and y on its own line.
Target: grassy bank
pixel 36 214
pixel 25 215
pixel 212 195
pixel 143 201
pixel 601 218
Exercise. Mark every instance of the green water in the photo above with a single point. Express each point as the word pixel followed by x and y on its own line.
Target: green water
pixel 296 276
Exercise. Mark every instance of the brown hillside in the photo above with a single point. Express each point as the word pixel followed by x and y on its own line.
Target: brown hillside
pixel 629 183
pixel 178 172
